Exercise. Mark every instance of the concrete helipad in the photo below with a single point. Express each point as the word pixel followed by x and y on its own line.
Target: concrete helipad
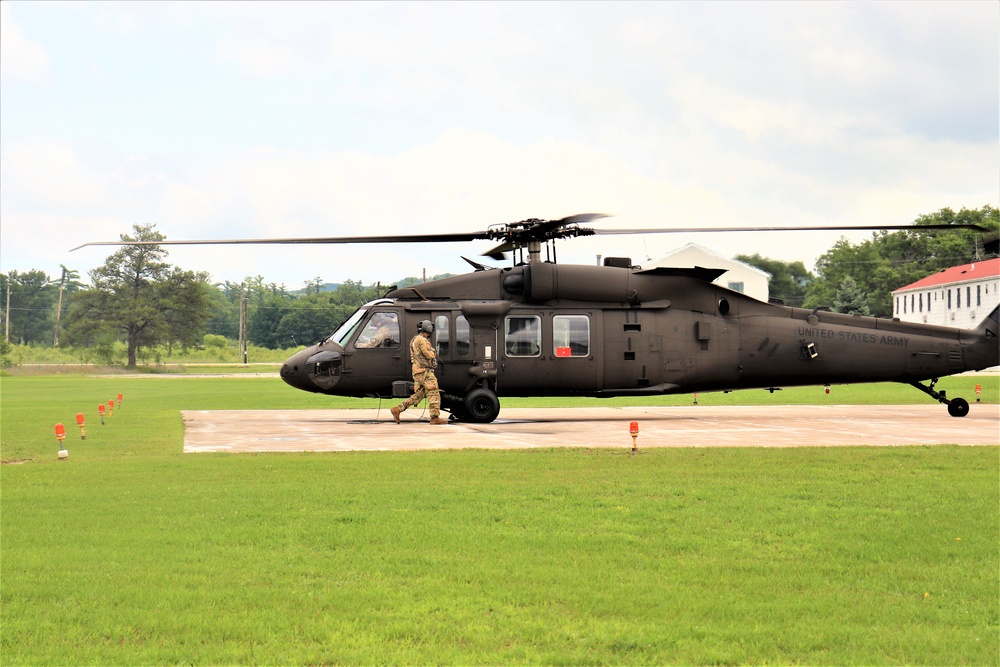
pixel 690 426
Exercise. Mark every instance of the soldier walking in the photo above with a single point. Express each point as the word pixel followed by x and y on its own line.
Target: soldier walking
pixel 423 360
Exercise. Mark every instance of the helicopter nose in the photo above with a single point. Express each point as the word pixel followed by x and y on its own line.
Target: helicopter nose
pixel 293 371
pixel 313 369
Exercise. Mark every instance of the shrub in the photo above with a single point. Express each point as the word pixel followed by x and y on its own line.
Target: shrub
pixel 215 341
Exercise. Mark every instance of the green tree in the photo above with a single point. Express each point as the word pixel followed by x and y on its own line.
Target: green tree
pixel 224 310
pixel 850 299
pixel 890 260
pixel 32 305
pixel 69 284
pixel 788 281
pixel 280 319
pixel 186 307
pixel 138 298
pixel 313 317
pixel 264 318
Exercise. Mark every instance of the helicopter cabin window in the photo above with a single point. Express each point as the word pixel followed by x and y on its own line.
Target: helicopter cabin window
pixel 382 330
pixel 463 336
pixel 571 335
pixel 523 335
pixel 737 286
pixel 443 338
pixel 442 335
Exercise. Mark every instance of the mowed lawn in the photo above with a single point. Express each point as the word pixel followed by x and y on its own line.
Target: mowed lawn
pixel 131 552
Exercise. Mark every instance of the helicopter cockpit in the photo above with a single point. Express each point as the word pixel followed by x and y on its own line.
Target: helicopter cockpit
pixel 320 367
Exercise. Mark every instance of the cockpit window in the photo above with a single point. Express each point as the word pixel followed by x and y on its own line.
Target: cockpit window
pixel 382 330
pixel 345 330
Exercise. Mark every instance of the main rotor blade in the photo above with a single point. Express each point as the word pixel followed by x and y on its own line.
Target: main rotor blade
pixel 579 218
pixel 414 238
pixel 846 228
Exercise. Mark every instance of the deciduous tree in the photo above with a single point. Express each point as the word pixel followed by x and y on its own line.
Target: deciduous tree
pixel 890 260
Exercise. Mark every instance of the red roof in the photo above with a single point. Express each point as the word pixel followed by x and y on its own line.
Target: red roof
pixel 989 268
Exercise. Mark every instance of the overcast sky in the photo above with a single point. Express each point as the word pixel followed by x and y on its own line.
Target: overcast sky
pixel 247 120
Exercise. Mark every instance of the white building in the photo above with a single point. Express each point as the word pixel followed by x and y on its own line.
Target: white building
pixel 961 296
pixel 740 277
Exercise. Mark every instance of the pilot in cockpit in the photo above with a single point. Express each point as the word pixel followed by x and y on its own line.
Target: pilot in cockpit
pixel 381 331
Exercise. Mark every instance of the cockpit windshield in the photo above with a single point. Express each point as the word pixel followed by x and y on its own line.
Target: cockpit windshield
pixel 348 327
pixel 345 330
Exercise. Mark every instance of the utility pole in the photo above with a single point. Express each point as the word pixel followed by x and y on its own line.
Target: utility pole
pixel 62 286
pixel 6 316
pixel 244 356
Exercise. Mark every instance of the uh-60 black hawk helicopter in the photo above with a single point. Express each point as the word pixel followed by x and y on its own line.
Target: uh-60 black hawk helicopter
pixel 538 328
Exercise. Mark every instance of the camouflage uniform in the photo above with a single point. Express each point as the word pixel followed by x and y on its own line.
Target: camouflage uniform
pixel 423 361
pixel 376 340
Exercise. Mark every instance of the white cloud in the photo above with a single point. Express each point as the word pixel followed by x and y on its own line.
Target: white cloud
pixel 395 118
pixel 20 58
pixel 51 173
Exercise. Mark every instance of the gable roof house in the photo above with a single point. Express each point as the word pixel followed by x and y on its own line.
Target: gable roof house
pixel 960 296
pixel 740 277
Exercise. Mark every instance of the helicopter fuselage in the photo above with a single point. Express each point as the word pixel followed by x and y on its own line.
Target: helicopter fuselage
pixel 545 329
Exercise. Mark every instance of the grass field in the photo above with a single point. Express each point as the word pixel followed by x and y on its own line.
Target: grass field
pixel 133 553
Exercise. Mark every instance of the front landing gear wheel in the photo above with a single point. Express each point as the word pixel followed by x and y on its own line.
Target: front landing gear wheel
pixel 481 406
pixel 958 407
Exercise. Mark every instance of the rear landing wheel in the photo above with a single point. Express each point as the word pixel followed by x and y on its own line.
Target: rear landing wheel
pixel 481 406
pixel 958 407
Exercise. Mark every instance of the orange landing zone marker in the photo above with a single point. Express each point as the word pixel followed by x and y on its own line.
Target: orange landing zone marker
pixel 633 429
pixel 100 411
pixel 81 423
pixel 61 436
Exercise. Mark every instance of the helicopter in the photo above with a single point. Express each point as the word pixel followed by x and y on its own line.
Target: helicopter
pixel 540 328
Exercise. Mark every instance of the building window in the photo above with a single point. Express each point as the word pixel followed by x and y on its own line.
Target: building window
pixel 968 296
pixel 921 303
pixel 958 298
pixel 949 299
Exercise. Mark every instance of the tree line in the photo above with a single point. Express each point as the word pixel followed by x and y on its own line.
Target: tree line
pixel 138 299
pixel 860 277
